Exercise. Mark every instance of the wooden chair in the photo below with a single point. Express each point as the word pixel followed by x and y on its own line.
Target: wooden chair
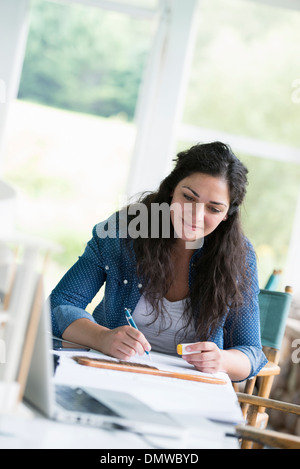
pixel 274 309
pixel 273 280
pixel 261 437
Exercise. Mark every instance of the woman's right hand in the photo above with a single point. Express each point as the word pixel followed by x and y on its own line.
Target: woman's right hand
pixel 123 342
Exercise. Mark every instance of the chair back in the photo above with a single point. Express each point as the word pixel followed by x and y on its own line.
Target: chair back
pixel 274 309
pixel 273 280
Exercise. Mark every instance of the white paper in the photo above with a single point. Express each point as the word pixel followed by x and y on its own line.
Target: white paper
pixel 161 393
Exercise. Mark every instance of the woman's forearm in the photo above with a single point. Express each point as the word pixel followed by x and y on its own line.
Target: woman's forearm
pixel 122 342
pixel 236 364
pixel 85 332
pixel 209 358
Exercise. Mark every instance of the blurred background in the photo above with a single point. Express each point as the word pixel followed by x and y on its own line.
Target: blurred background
pixel 72 128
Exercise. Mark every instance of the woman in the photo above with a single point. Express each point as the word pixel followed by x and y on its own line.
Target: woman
pixel 182 266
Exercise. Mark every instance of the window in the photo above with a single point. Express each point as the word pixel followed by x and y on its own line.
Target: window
pixel 71 130
pixel 242 89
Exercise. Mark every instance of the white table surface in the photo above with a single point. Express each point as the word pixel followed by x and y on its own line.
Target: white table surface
pixel 192 404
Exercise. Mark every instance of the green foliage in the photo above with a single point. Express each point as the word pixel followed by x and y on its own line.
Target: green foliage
pixel 91 60
pixel 73 243
pixel 84 59
pixel 269 210
pixel 30 180
pixel 244 64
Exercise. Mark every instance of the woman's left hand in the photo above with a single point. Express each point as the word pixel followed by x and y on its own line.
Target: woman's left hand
pixel 206 357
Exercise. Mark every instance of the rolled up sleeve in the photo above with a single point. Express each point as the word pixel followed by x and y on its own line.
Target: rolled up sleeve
pixel 64 315
pixel 242 326
pixel 77 288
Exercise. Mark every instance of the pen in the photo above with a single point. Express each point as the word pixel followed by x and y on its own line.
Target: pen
pixel 132 323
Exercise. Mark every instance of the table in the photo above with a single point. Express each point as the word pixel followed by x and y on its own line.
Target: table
pixel 192 404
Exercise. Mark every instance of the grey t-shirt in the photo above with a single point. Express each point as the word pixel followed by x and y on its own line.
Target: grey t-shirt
pixel 168 330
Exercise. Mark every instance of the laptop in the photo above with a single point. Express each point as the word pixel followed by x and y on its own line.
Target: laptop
pixel 108 409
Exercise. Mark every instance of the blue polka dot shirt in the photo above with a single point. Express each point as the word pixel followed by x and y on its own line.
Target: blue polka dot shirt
pixel 107 261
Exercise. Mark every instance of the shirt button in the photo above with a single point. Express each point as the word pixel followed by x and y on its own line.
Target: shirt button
pixel 107 267
pixel 125 281
pixel 140 285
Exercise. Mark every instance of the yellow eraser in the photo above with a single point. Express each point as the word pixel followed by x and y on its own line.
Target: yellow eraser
pixel 181 349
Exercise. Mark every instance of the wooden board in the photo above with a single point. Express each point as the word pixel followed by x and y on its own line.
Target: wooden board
pixel 145 369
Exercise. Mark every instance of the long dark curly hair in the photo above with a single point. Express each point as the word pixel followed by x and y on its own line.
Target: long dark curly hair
pixel 219 272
